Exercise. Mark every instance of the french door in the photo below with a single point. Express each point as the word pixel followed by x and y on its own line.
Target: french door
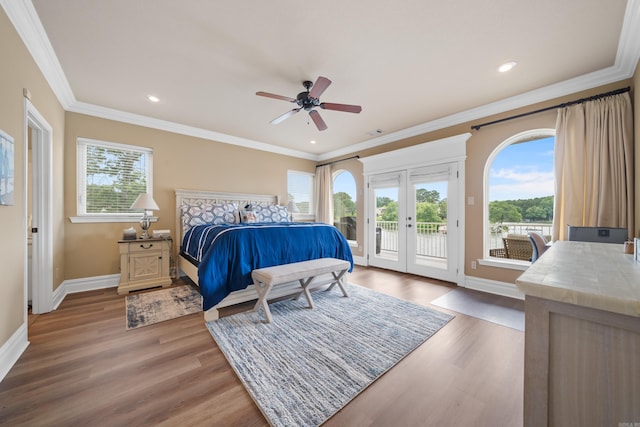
pixel 413 225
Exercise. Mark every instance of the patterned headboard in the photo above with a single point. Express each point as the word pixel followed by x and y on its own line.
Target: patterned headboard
pixel 195 197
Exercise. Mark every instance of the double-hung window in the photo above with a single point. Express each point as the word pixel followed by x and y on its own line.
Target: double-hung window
pixel 110 178
pixel 300 189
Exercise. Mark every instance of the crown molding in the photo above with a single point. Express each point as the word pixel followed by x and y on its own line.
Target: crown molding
pixel 27 23
pixel 150 122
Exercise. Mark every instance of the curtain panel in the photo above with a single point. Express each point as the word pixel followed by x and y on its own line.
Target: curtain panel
pixel 324 194
pixel 594 165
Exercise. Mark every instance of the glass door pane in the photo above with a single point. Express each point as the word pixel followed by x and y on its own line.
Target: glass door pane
pixel 428 231
pixel 386 226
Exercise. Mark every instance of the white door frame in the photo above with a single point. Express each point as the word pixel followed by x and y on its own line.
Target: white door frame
pixel 42 190
pixel 446 150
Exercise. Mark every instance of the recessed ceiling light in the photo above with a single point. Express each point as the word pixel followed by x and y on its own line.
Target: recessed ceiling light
pixel 153 98
pixel 507 66
pixel 312 142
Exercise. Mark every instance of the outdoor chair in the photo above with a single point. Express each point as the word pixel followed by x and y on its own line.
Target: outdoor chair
pixel 518 247
pixel 539 244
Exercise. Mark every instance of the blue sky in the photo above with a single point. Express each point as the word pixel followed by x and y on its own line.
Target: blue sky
pixel 519 171
pixel 523 171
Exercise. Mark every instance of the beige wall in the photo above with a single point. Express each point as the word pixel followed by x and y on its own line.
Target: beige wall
pixel 19 71
pixel 479 146
pixel 179 161
pixel 88 250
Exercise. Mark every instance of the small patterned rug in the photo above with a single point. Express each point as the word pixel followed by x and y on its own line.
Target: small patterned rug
pixel 157 306
pixel 307 364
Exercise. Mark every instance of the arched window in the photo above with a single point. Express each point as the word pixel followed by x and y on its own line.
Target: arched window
pixel 519 193
pixel 344 203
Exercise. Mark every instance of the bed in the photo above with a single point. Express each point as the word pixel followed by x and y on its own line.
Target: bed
pixel 222 256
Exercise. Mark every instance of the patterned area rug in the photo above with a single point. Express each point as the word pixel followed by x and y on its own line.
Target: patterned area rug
pixel 307 364
pixel 157 306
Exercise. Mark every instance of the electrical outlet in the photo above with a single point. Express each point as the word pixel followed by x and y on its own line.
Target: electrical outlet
pixel 474 265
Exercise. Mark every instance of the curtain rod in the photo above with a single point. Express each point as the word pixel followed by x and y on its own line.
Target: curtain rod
pixel 338 161
pixel 566 104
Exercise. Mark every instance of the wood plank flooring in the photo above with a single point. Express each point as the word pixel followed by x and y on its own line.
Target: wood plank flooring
pixel 83 368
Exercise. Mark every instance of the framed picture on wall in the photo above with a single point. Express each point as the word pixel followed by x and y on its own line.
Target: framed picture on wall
pixel 6 169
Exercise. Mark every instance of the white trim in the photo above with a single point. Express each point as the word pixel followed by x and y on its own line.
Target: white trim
pixel 150 122
pixel 108 218
pixel 493 287
pixel 12 349
pixel 85 284
pixel 510 264
pixel 42 196
pixel 28 25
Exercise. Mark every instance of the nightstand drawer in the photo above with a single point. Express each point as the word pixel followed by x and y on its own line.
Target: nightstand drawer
pixel 142 246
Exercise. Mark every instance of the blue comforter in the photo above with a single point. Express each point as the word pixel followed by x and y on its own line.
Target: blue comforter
pixel 228 253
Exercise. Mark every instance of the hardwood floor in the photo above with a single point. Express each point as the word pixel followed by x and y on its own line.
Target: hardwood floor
pixel 83 368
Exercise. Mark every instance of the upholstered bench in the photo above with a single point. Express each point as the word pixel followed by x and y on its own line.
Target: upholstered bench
pixel 305 272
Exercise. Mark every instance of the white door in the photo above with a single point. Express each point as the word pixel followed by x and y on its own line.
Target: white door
pixel 432 224
pixel 413 225
pixel 386 221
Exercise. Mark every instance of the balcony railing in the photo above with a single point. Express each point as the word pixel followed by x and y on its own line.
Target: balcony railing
pixel 431 237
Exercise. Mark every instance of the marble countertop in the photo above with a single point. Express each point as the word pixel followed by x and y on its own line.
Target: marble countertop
pixel 596 275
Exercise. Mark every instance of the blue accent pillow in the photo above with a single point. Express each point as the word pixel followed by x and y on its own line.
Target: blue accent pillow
pixel 271 213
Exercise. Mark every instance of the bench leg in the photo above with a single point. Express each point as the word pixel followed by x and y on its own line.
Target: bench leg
pixel 338 281
pixel 305 289
pixel 263 291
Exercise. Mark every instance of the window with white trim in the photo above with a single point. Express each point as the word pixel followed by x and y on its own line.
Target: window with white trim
pixel 519 182
pixel 300 190
pixel 344 203
pixel 110 178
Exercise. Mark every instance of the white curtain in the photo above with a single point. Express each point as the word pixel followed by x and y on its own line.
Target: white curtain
pixel 594 165
pixel 324 194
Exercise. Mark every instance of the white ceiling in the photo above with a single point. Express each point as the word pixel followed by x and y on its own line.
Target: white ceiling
pixel 413 65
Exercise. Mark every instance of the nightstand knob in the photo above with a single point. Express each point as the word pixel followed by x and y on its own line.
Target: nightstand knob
pixel 150 246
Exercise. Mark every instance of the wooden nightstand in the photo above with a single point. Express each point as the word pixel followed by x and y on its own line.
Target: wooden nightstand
pixel 144 263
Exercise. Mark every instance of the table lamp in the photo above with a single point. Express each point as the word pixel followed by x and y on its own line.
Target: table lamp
pixel 147 204
pixel 292 208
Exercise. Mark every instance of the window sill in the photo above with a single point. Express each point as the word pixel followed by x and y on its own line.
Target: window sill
pixel 108 218
pixel 510 264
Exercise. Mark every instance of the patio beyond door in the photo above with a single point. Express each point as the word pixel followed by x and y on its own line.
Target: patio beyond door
pixel 415 226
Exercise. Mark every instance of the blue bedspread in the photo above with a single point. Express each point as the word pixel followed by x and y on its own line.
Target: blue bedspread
pixel 228 253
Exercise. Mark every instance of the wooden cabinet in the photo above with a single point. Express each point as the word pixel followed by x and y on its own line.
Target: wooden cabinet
pixel 582 339
pixel 144 263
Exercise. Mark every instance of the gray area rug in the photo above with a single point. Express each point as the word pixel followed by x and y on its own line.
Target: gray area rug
pixel 485 307
pixel 157 306
pixel 307 364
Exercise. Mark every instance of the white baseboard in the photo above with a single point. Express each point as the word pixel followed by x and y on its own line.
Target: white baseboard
pixel 84 284
pixel 11 350
pixel 493 287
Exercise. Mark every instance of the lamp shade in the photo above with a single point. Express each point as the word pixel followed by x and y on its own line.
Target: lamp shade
pixel 292 207
pixel 145 202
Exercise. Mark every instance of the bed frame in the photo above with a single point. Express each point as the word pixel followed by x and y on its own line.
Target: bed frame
pixel 198 196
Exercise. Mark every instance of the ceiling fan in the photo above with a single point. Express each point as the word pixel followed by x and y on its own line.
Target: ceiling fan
pixel 309 100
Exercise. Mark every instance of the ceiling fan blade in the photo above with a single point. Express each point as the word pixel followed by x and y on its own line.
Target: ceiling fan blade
pixel 273 95
pixel 341 107
pixel 315 116
pixel 319 87
pixel 284 116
